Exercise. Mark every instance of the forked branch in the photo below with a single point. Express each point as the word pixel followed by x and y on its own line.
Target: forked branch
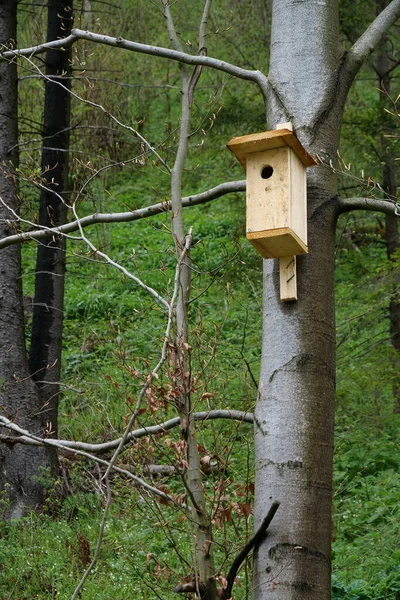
pixel 366 43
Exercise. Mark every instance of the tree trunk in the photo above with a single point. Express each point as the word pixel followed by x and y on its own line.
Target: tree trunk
pixel 294 415
pixel 47 325
pixel 204 583
pixel 19 465
pixel 389 185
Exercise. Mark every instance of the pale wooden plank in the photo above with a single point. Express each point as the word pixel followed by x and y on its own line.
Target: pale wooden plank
pixel 298 197
pixel 268 199
pixel 285 126
pixel 288 278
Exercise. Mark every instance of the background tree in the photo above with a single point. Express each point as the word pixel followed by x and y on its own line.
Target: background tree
pixel 20 466
pixel 48 304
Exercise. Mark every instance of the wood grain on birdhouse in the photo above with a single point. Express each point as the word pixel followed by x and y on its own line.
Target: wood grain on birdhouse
pixel 276 211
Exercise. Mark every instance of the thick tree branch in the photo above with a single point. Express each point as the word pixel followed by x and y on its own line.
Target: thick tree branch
pixel 372 204
pixel 182 57
pixel 365 45
pixel 123 217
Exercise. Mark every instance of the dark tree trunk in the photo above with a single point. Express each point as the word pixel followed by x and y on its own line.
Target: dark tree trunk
pixel 47 325
pixel 384 72
pixel 19 400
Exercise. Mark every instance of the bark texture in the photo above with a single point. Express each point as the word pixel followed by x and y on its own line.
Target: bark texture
pixel 310 75
pixel 47 325
pixel 294 416
pixel 19 400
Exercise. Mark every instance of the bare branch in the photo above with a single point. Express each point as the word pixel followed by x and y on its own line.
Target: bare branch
pixel 233 415
pixel 372 204
pixel 171 27
pixel 365 44
pixel 134 215
pixel 40 49
pixel 182 57
pixel 159 299
pixel 202 51
pixel 36 440
pixel 203 24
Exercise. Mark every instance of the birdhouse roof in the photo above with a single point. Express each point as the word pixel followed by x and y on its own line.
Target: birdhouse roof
pixel 268 140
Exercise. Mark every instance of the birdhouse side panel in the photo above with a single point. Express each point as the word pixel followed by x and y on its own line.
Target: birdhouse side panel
pixel 298 191
pixel 268 190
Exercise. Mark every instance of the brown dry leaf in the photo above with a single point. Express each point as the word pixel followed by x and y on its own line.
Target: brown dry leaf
pixel 85 549
pixel 223 582
pixel 228 514
pixel 205 462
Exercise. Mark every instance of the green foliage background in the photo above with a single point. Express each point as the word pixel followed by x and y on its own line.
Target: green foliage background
pixel 113 332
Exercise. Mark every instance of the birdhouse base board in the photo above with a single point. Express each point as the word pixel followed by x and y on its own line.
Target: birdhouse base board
pixel 275 243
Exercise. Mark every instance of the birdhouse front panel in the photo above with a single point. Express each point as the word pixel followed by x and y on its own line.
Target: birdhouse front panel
pixel 276 203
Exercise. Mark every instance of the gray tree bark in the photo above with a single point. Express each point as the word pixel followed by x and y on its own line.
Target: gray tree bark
pixel 19 465
pixel 310 75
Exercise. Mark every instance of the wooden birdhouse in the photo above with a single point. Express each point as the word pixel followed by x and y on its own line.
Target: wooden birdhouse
pixel 276 196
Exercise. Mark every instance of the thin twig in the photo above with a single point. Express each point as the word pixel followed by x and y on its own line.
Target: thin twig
pixel 121 268
pixel 153 374
pixel 144 141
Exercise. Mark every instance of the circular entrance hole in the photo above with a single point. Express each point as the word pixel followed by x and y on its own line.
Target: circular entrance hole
pixel 266 172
